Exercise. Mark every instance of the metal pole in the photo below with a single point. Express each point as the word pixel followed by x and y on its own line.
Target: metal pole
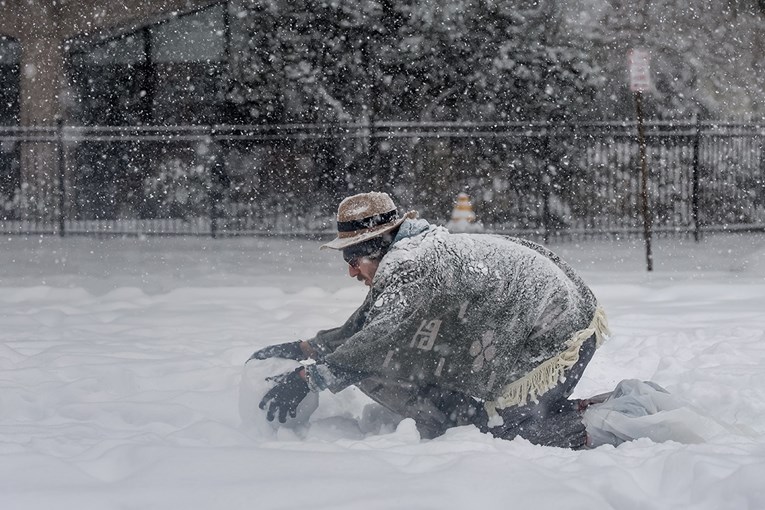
pixel 213 176
pixel 61 178
pixel 644 181
pixel 695 184
pixel 546 185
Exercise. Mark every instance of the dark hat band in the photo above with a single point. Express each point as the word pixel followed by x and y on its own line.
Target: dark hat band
pixel 368 222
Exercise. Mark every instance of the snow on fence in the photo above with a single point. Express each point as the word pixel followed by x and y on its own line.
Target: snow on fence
pixel 536 179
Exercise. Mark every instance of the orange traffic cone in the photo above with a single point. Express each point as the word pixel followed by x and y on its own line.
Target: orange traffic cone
pixel 463 217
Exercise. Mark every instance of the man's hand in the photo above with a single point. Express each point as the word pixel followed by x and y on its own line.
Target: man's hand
pixel 290 350
pixel 285 396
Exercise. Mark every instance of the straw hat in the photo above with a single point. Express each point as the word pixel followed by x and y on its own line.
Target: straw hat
pixel 365 216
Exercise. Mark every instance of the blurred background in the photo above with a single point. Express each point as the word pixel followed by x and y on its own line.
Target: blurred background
pixel 258 116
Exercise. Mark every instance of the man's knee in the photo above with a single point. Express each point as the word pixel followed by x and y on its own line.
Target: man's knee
pixel 433 409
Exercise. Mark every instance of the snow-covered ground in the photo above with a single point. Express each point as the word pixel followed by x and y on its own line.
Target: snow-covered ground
pixel 121 362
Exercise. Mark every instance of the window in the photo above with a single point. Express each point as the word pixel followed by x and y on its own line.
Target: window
pixel 170 72
pixel 110 82
pixel 188 60
pixel 198 37
pixel 10 55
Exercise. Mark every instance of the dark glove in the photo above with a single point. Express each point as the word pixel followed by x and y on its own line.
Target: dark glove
pixel 290 350
pixel 285 396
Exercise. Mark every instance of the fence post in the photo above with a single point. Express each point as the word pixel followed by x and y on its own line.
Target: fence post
pixel 546 185
pixel 695 185
pixel 212 189
pixel 647 232
pixel 61 166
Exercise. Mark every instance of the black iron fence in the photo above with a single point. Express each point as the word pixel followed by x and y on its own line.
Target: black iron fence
pixel 537 179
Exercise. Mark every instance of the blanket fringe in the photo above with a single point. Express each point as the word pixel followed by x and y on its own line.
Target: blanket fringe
pixel 551 371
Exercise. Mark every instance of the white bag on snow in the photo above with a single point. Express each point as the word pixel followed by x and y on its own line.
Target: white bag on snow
pixel 644 409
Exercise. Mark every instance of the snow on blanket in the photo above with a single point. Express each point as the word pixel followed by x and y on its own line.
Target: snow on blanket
pixel 121 362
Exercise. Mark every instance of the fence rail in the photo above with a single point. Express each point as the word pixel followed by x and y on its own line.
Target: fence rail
pixel 540 179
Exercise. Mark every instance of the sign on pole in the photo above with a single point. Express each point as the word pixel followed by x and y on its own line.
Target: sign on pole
pixel 640 81
pixel 640 71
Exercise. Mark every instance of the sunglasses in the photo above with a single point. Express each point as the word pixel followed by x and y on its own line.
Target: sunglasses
pixel 352 260
pixel 371 249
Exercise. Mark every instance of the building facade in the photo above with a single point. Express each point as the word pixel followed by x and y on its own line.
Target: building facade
pixel 60 60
